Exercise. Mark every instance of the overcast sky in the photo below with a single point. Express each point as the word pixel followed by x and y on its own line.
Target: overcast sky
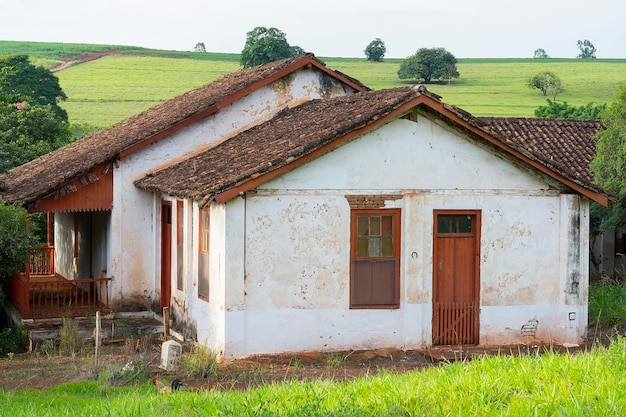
pixel 331 28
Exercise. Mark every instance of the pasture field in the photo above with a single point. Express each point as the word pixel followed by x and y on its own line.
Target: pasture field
pixel 112 88
pixel 107 90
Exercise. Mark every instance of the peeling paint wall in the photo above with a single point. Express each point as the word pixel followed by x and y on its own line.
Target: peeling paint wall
pixel 134 260
pixel 287 259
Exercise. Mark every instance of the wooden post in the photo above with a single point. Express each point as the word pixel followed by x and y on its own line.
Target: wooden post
pixel 166 323
pixel 96 338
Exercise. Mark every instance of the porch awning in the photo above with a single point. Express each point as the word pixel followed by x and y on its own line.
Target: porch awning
pixel 89 192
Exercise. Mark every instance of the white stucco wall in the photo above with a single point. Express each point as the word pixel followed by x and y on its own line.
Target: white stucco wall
pixel 287 259
pixel 135 220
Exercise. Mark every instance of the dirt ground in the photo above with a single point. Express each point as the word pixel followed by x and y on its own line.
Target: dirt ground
pixel 133 360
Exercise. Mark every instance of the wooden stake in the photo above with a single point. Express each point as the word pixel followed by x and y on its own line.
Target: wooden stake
pixel 166 323
pixel 96 338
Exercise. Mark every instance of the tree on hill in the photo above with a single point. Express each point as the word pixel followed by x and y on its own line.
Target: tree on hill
pixel 429 64
pixel 540 53
pixel 563 110
pixel 587 50
pixel 376 50
pixel 265 45
pixel 547 82
pixel 20 80
pixel 199 47
pixel 609 164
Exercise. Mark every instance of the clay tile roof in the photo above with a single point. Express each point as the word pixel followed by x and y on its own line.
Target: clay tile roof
pixel 44 175
pixel 290 135
pixel 564 145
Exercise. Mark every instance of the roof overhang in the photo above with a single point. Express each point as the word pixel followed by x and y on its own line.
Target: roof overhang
pixel 421 100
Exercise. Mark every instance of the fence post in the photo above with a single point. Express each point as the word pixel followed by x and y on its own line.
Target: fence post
pixel 166 323
pixel 96 338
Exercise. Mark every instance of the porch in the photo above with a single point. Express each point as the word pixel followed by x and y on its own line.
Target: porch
pixel 39 292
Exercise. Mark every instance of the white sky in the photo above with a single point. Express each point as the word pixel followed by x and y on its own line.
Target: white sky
pixel 332 28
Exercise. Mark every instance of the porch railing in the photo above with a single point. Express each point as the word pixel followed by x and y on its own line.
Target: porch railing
pixel 52 297
pixel 42 263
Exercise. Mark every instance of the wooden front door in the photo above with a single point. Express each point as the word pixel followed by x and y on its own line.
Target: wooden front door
pixel 166 253
pixel 456 277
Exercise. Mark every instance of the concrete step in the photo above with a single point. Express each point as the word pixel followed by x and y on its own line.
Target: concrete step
pixel 113 326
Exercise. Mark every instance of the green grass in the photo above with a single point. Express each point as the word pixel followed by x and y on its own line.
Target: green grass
pixel 607 303
pixel 550 384
pixel 113 88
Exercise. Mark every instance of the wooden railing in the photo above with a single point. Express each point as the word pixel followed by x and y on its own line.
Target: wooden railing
pixel 455 323
pixel 54 297
pixel 42 263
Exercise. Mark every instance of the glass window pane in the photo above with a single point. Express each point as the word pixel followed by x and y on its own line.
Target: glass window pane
pixel 362 225
pixel 375 226
pixel 205 219
pixel 374 247
pixel 443 224
pixel 362 247
pixel 387 225
pixel 387 246
pixel 465 224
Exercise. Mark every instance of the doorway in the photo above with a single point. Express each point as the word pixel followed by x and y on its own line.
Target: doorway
pixel 456 278
pixel 166 253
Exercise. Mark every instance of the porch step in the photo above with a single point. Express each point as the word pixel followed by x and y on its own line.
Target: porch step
pixel 113 327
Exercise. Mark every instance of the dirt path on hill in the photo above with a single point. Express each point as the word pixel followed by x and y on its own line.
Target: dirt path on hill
pixel 73 60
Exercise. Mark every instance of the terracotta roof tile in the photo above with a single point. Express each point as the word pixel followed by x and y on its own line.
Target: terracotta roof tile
pixel 42 176
pixel 290 135
pixel 563 145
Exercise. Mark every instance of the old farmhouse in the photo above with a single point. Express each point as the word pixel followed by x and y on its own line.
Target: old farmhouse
pixel 289 208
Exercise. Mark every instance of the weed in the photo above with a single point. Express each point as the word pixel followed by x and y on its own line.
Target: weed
pixel 131 372
pixel 296 362
pixel 200 362
pixel 334 360
pixel 70 342
pixel 49 348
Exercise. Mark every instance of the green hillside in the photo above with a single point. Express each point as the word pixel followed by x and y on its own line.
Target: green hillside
pixel 109 89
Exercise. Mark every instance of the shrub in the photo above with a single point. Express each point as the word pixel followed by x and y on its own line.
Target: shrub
pixel 12 341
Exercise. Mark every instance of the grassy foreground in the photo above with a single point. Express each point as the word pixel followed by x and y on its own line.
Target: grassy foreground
pixel 584 384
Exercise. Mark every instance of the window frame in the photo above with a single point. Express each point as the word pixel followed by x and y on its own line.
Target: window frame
pixel 204 251
pixel 396 253
pixel 180 245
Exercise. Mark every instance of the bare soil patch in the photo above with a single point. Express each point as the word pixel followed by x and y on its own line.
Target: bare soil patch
pixel 38 370
pixel 72 60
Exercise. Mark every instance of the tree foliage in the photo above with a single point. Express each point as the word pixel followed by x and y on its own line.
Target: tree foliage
pixel 609 164
pixel 31 122
pixel 17 239
pixel 265 45
pixel 20 80
pixel 199 47
pixel 540 53
pixel 547 82
pixel 556 110
pixel 429 64
pixel 376 50
pixel 587 50
pixel 27 132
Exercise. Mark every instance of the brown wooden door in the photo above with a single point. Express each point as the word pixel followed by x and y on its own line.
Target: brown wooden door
pixel 456 281
pixel 166 253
